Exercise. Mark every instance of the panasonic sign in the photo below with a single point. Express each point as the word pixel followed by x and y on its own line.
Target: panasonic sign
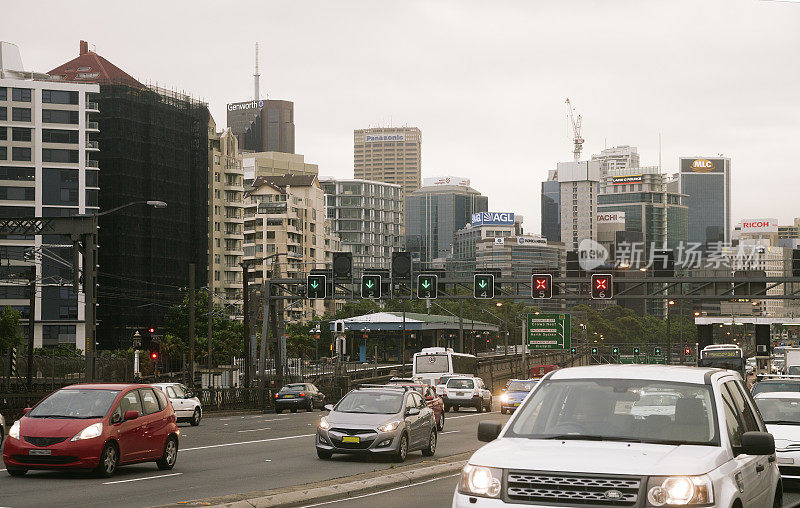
pixel 493 219
pixel 393 136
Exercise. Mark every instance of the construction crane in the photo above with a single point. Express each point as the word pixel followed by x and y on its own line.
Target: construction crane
pixel 576 129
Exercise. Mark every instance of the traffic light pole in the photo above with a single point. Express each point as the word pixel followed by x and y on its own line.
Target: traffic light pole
pixel 31 324
pixel 191 323
pixel 669 338
pixel 246 321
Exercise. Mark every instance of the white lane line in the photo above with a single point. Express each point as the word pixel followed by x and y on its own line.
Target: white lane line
pixel 383 491
pixel 449 432
pixel 274 420
pixel 140 479
pixel 245 442
pixel 254 430
pixel 1 470
pixel 467 416
pixel 225 419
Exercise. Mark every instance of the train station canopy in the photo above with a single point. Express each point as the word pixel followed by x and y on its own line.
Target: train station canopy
pixel 393 321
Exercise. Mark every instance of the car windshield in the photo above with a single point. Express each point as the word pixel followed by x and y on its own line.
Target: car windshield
pixel 460 384
pixel 793 370
pixel 427 364
pixel 520 386
pixel 75 403
pixel 293 388
pixel 372 402
pixel 610 409
pixel 778 386
pixel 779 410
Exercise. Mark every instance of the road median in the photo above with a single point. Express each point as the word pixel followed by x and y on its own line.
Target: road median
pixel 338 488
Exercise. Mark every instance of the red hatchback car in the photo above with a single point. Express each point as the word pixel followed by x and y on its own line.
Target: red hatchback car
pixel 94 426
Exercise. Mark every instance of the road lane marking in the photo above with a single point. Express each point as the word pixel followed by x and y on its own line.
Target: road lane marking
pixel 450 432
pixel 254 430
pixel 245 442
pixel 140 479
pixel 383 491
pixel 467 416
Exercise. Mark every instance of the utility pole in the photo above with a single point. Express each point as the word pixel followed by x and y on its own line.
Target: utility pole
pixel 246 332
pixel 191 324
pixel 461 326
pixel 403 346
pixel 31 322
pixel 669 338
pixel 210 315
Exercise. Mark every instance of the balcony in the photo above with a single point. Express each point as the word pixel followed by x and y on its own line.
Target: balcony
pixel 92 107
pixel 93 126
pixel 93 146
pixel 91 163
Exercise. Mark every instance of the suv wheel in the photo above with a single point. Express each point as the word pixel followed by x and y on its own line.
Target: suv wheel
pixel 489 407
pixel 402 449
pixel 431 449
pixel 479 407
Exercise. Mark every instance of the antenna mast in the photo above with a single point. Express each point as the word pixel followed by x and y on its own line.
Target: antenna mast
pixel 256 76
pixel 576 130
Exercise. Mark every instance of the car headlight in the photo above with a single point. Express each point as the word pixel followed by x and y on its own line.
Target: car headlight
pixel 89 432
pixel 680 490
pixel 323 423
pixel 14 430
pixel 504 397
pixel 389 427
pixel 480 481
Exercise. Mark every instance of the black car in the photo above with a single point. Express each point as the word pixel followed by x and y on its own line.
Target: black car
pixel 296 396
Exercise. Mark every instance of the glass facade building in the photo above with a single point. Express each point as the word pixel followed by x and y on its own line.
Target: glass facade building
pixel 551 208
pixel 707 184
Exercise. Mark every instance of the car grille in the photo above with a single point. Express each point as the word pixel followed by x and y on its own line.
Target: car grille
pixel 366 438
pixel 44 441
pixel 45 459
pixel 561 489
pixel 789 470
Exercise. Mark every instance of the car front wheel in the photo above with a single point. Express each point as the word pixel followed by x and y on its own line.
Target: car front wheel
pixel 16 471
pixel 170 455
pixel 402 449
pixel 440 425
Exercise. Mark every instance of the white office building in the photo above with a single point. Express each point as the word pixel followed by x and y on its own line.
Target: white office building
pixel 578 183
pixel 617 160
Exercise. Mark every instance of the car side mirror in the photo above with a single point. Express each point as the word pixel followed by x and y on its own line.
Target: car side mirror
pixel 412 411
pixel 488 431
pixel 329 407
pixel 758 443
pixel 130 415
pixel 26 411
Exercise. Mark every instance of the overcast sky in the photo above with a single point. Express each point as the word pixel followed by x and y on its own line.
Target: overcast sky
pixel 485 81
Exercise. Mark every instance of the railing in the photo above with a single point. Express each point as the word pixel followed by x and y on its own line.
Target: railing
pixel 93 126
pixel 91 163
pixel 93 144
pixel 93 106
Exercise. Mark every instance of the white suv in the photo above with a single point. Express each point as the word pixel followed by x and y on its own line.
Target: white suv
pixel 579 440
pixel 186 405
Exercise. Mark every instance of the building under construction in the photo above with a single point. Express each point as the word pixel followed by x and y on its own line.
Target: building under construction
pixel 153 146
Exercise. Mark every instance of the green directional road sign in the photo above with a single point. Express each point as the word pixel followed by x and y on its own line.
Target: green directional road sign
pixel 371 286
pixel 484 286
pixel 316 287
pixel 427 285
pixel 548 331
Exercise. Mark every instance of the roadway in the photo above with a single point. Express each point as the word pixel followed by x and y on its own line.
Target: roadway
pixel 225 455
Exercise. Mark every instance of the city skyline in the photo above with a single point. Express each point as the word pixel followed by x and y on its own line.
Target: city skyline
pixel 688 81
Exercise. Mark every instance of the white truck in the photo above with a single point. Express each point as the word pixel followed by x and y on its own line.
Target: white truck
pixel 791 364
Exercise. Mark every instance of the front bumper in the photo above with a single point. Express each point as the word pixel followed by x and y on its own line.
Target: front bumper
pixel 65 455
pixel 464 501
pixel 789 463
pixel 510 405
pixel 371 441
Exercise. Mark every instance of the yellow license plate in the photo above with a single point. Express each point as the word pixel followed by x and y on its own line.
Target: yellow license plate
pixel 516 404
pixel 288 396
pixel 350 439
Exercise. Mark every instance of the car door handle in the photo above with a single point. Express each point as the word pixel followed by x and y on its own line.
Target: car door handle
pixel 759 468
pixel 771 458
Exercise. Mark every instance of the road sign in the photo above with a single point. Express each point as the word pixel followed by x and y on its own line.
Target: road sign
pixel 602 287
pixel 542 285
pixel 316 287
pixel 371 286
pixel 427 285
pixel 548 331
pixel 484 286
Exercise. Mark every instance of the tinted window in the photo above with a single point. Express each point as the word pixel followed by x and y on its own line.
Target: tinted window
pixel 59 116
pixel 21 94
pixel 20 153
pixel 149 401
pixel 59 97
pixel 21 114
pixel 16 173
pixel 749 419
pixel 3 113
pixel 3 93
pixel 59 136
pixel 17 193
pixel 20 134
pixel 59 155
pixel 461 384
pixel 733 420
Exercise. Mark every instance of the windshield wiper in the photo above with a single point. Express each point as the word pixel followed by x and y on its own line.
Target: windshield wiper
pixel 782 422
pixel 56 416
pixel 589 437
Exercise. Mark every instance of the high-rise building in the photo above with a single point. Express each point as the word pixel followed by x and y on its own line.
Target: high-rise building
pixel 226 209
pixel 154 146
pixel 389 155
pixel 48 168
pixel 285 215
pixel 707 184
pixel 485 225
pixel 551 207
pixel 263 125
pixel 367 217
pixel 578 185
pixel 275 164
pixel 519 256
pixel 435 212
pixel 617 160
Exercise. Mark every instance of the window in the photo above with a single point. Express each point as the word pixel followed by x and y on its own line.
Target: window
pixel 130 402
pixel 3 134
pixel 3 112
pixel 733 422
pixel 59 136
pixel 21 114
pixel 179 393
pixel 20 134
pixel 59 116
pixel 3 93
pixel 59 97
pixel 171 393
pixel 748 417
pixel 149 401
pixel 162 400
pixel 21 95
pixel 92 197
pixel 59 155
pixel 19 153
pixel 3 153
pixel 17 193
pixel 92 178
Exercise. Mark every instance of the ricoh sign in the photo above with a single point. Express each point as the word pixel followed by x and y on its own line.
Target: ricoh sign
pixel 493 219
pixel 240 106
pixel 759 226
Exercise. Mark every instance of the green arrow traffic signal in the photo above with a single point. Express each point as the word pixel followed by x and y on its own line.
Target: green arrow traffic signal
pixel 484 286
pixel 427 286
pixel 317 287
pixel 371 286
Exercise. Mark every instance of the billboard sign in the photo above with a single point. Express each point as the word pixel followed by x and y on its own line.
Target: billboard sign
pixel 621 180
pixel 493 219
pixel 387 136
pixel 239 106
pixel 446 180
pixel 759 226
pixel 548 331
pixel 611 218
pixel 531 240
pixel 697 165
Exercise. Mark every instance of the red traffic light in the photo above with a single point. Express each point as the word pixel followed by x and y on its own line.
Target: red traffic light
pixel 542 285
pixel 602 288
pixel 154 355
pixel 687 351
pixel 152 330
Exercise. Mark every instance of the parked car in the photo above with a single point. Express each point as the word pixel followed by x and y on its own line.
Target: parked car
pixel 463 391
pixel 433 401
pixel 775 384
pixel 186 405
pixel 381 420
pixel 574 441
pixel 296 396
pixel 2 429
pixel 94 426
pixel 514 393
pixel 781 414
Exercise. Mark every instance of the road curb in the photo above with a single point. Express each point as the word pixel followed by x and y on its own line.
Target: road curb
pixel 336 489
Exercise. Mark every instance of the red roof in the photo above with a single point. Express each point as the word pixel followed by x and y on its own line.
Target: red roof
pixel 89 67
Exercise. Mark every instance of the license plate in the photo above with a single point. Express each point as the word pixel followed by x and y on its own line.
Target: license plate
pixel 516 404
pixel 351 439
pixel 288 396
pixel 460 394
pixel 40 452
pixel 785 460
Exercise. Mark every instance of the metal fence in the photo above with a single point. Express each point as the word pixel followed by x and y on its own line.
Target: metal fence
pixel 50 372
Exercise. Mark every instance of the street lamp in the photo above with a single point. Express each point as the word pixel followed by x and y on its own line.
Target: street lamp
pixel 153 203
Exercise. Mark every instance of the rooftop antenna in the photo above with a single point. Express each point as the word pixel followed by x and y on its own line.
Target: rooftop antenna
pixel 256 76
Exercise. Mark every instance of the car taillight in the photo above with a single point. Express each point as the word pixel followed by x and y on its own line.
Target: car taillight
pixel 477 393
pixel 302 394
pixel 276 395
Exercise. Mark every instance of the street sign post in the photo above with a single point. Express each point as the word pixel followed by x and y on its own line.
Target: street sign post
pixel 427 285
pixel 548 331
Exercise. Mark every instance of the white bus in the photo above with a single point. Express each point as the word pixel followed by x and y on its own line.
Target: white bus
pixel 723 356
pixel 434 362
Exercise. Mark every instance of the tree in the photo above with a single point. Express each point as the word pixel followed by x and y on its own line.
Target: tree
pixel 9 328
